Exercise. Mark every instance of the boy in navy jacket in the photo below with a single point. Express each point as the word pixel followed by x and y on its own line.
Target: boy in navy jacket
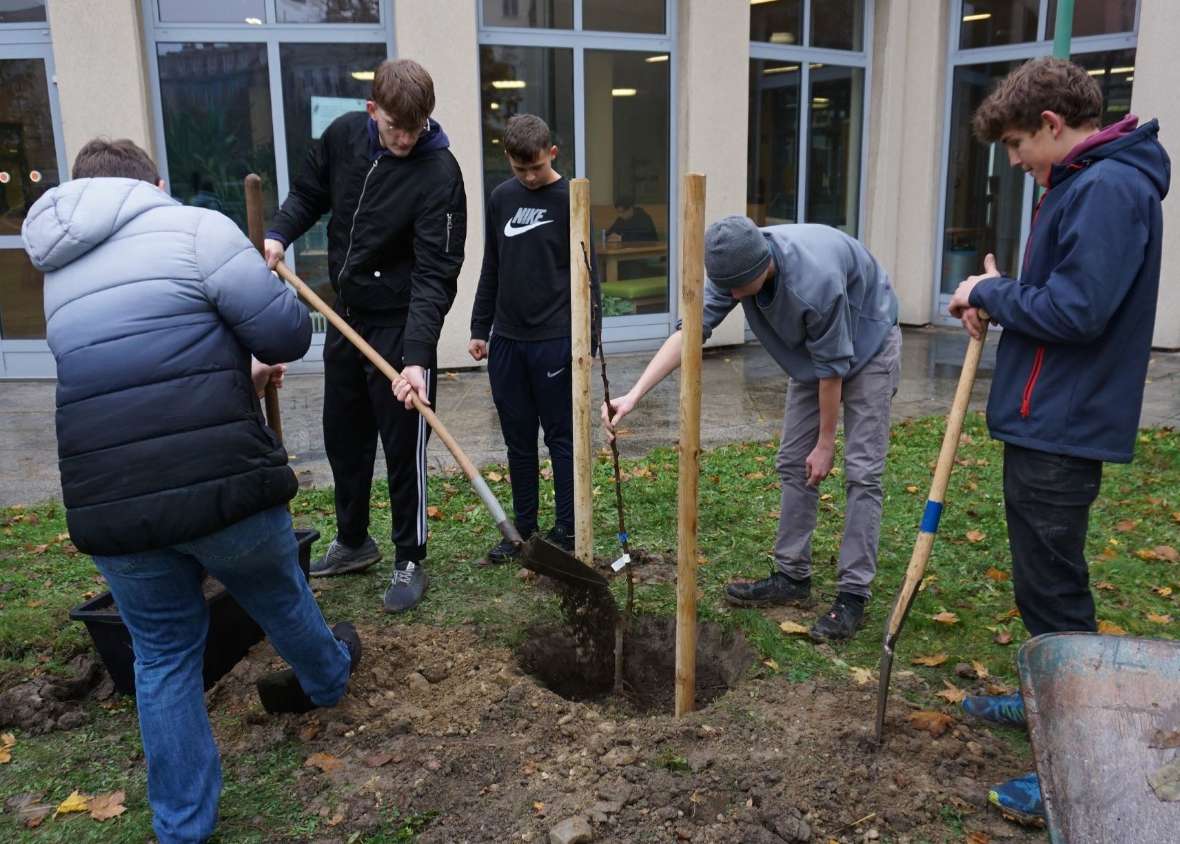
pixel 1072 360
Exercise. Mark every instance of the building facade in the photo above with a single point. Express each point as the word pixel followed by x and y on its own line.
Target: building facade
pixel 852 113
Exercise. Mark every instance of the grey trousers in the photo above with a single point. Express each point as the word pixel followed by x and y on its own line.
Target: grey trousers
pixel 867 398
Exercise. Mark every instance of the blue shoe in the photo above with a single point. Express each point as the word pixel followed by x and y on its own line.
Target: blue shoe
pixel 1019 800
pixel 1006 710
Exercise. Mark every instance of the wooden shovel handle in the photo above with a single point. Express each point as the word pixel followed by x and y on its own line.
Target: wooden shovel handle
pixel 256 227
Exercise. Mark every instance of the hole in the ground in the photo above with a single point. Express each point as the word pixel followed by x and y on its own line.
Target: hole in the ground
pixel 554 657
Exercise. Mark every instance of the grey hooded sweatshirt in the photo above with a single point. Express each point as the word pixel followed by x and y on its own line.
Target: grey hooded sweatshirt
pixel 827 310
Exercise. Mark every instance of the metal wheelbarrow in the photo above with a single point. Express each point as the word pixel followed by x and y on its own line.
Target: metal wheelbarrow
pixel 1102 711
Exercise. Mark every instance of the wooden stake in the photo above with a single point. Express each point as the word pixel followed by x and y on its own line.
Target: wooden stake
pixel 256 226
pixel 581 363
pixel 692 283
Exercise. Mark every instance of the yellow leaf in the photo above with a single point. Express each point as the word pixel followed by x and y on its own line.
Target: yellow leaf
pixel 1110 629
pixel 754 476
pixel 952 693
pixel 935 723
pixel 771 664
pixel 1167 552
pixel 326 762
pixel 538 807
pixel 980 669
pixel 76 802
pixel 911 489
pixel 793 628
pixel 7 741
pixel 926 581
pixel 641 472
pixel 106 806
pixel 827 496
pixel 1176 516
pixel 931 661
pixel 1159 619
pixel 1162 591
pixel 862 676
pixel 996 575
pixel 1146 554
pixel 495 477
pixel 946 618
pixel 1105 586
pixel 975 536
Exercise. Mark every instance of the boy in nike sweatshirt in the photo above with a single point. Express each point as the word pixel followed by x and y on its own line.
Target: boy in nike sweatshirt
pixel 523 305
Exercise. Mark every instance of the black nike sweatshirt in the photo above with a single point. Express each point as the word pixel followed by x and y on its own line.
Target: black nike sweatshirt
pixel 524 286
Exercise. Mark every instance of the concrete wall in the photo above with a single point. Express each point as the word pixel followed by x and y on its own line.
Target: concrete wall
pixel 905 147
pixel 713 63
pixel 1154 95
pixel 98 51
pixel 442 36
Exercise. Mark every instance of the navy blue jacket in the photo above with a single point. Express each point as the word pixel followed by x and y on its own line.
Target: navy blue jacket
pixel 1073 357
pixel 153 309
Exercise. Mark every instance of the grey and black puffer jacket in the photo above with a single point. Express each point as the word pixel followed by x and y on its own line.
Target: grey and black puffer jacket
pixel 153 309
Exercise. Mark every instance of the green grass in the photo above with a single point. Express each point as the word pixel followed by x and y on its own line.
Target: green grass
pixel 41 577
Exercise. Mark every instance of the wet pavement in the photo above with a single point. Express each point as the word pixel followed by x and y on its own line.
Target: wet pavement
pixel 742 399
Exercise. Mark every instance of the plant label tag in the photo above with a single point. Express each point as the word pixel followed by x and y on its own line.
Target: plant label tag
pixel 621 563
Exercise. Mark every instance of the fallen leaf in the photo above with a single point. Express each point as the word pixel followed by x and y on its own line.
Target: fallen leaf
pixel 1012 613
pixel 827 496
pixel 1003 638
pixel 450 376
pixel 975 536
pixel 911 489
pixel 771 664
pixel 38 549
pixel 641 472
pixel 926 581
pixel 952 693
pixel 1162 591
pixel 29 809
pixel 1167 552
pixel 309 731
pixel 1105 586
pixel 931 661
pixel 945 617
pixel 106 806
pixel 494 477
pixel 998 689
pixel 1164 739
pixel 433 512
pixel 1125 525
pixel 980 669
pixel 793 628
pixel 977 837
pixel 539 807
pixel 1159 619
pixel 1109 629
pixel 326 762
pixel 754 476
pixel 1108 553
pixel 1147 554
pixel 336 819
pixel 996 575
pixel 935 723
pixel 1165 781
pixel 76 802
pixel 7 742
pixel 378 759
pixel 1176 516
pixel 862 676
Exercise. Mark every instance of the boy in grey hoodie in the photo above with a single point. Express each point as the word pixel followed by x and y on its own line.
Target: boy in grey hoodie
pixel 826 311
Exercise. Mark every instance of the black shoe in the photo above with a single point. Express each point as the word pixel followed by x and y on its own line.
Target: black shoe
pixel 840 622
pixel 342 559
pixel 406 587
pixel 280 692
pixel 562 537
pixel 778 589
pixel 503 552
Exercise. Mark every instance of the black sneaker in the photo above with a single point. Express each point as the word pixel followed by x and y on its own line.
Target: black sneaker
pixel 406 587
pixel 840 622
pixel 503 552
pixel 342 559
pixel 778 589
pixel 280 692
pixel 562 537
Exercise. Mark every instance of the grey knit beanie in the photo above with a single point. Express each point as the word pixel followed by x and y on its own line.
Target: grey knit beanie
pixel 736 253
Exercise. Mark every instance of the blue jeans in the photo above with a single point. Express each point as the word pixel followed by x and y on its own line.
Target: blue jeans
pixel 160 599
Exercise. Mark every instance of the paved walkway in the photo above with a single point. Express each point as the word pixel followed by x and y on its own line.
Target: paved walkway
pixel 742 389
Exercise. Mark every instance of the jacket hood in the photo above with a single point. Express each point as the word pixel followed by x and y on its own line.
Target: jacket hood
pixel 71 219
pixel 1136 146
pixel 432 139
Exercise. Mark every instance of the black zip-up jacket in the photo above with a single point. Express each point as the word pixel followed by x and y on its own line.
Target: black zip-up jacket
pixel 396 234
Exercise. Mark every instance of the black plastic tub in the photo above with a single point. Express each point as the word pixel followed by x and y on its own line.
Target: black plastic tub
pixel 231 631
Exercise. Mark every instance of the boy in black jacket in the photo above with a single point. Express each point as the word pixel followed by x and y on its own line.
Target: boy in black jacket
pixel 524 295
pixel 395 247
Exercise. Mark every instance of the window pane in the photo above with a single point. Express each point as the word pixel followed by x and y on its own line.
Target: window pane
pixel 213 11
pixel 320 82
pixel 541 82
pixel 627 118
pixel 22 11
pixel 328 11
pixel 1096 17
pixel 773 172
pixel 777 21
pixel 838 24
pixel 28 155
pixel 1114 71
pixel 22 311
pixel 984 195
pixel 624 15
pixel 543 14
pixel 216 103
pixel 833 146
pixel 990 22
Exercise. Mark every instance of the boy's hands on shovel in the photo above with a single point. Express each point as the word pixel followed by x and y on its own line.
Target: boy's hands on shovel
pixel 960 304
pixel 413 380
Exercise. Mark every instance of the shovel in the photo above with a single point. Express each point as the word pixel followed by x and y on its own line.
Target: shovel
pixel 930 517
pixel 537 555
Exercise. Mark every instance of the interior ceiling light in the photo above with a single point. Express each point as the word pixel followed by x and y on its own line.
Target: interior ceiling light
pixel 508 84
pixel 623 92
pixel 789 68
pixel 982 16
pixel 363 75
pixel 654 59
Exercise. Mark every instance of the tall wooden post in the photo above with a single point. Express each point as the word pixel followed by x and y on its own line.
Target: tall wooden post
pixel 256 227
pixel 692 284
pixel 580 363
